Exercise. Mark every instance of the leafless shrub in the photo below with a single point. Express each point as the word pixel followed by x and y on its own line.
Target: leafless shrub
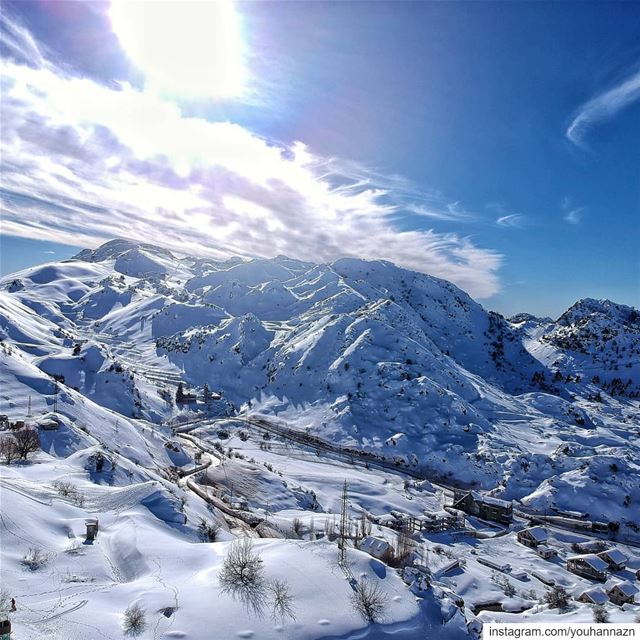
pixel 557 598
pixel 369 600
pixel 282 601
pixel 297 527
pixel 8 450
pixel 135 619
pixel 502 581
pixel 600 614
pixel 242 576
pixel 208 531
pixel 74 578
pixel 69 490
pixel 75 548
pixel 35 558
pixel 242 566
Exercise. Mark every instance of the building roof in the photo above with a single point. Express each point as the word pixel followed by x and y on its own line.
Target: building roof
pixel 615 555
pixel 626 587
pixel 494 502
pixel 539 534
pixel 596 563
pixel 372 544
pixel 597 596
pixel 544 547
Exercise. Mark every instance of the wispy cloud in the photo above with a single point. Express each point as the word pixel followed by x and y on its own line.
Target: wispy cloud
pixel 602 107
pixel 506 217
pixel 83 162
pixel 512 220
pixel 446 212
pixel 572 213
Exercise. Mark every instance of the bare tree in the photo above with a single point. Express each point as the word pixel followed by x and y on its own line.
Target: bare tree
pixel 27 441
pixel 297 527
pixel 8 451
pixel 405 545
pixel 282 601
pixel 242 576
pixel 369 600
pixel 134 619
pixel 242 566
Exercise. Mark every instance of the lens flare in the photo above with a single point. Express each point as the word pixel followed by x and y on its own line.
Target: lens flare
pixel 184 48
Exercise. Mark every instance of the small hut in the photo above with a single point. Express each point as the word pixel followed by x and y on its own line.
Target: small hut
pixel 622 593
pixel 377 547
pixel 533 536
pixel 588 566
pixel 593 596
pixel 616 560
pixel 545 552
pixel 92 528
pixel 483 506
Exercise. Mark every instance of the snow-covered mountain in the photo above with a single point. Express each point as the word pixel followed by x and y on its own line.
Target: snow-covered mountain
pixel 395 362
pixel 363 355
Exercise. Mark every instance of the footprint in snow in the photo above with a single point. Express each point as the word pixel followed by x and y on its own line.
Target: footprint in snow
pixel 324 622
pixel 245 634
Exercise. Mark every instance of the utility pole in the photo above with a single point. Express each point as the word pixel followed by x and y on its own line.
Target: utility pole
pixel 55 397
pixel 29 414
pixel 344 525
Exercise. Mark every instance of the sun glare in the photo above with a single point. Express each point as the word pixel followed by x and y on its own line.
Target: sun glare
pixel 184 47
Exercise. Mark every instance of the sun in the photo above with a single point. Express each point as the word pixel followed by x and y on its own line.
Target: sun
pixel 184 47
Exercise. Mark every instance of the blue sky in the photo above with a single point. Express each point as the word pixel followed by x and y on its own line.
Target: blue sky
pixel 492 144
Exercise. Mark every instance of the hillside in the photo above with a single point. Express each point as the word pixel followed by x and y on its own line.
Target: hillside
pixel 361 358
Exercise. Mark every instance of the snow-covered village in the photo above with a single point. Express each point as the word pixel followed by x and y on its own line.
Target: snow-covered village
pixel 274 448
pixel 319 320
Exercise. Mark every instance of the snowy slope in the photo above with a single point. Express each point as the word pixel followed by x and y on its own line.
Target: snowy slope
pixel 363 355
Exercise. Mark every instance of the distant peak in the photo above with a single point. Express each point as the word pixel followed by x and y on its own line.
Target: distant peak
pixel 118 247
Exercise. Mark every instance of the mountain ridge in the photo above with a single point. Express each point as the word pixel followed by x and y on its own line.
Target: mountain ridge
pixel 393 362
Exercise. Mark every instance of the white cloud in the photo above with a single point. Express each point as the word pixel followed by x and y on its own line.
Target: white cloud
pixel 602 107
pixel 574 216
pixel 83 163
pixel 446 212
pixel 512 220
pixel 572 213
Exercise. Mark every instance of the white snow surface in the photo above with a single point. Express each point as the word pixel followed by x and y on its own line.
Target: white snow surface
pixel 362 355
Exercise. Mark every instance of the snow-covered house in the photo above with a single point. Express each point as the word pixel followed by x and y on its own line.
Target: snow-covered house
pixel 377 547
pixel 616 560
pixel 588 566
pixel 622 593
pixel 546 552
pixel 593 596
pixel 486 507
pixel 533 536
pixel 49 422
pixel 590 546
